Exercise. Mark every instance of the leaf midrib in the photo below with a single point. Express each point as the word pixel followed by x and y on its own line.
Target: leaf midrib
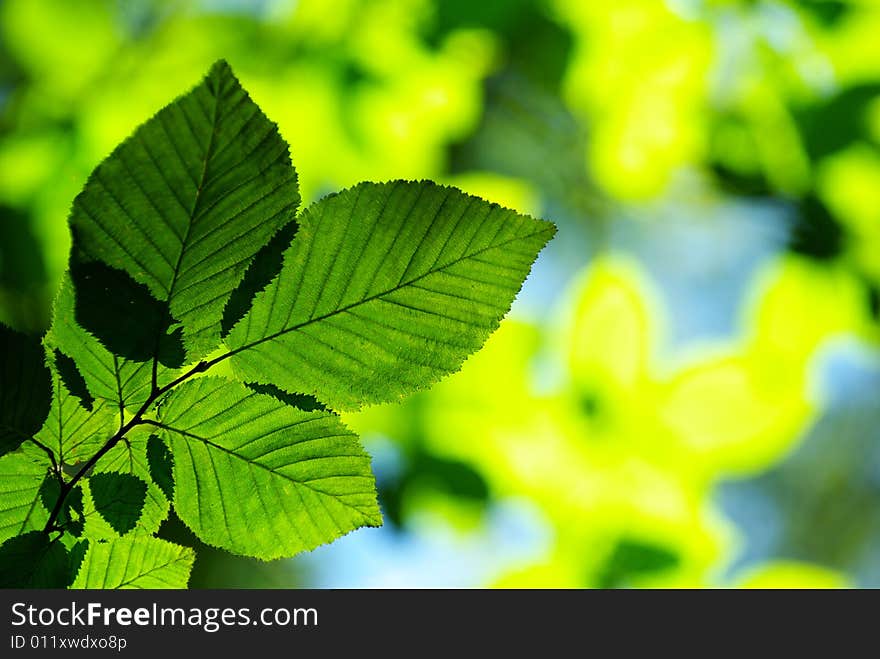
pixel 376 296
pixel 200 187
pixel 132 580
pixel 254 463
pixel 175 274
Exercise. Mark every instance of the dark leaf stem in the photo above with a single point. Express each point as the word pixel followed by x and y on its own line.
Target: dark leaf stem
pixel 56 471
pixel 135 420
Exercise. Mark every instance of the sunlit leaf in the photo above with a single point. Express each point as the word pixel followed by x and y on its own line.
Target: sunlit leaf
pixel 128 459
pixel 261 478
pixel 135 561
pixel 386 288
pixel 21 509
pixel 182 206
pixel 72 432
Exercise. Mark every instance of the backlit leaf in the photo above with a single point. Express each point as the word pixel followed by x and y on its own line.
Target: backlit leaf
pixel 135 561
pixel 385 289
pixel 261 478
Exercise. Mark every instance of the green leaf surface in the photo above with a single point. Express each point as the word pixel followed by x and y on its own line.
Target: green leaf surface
pixel 118 498
pixel 127 457
pixel 185 203
pixel 385 289
pixel 21 509
pixel 33 560
pixel 115 379
pixel 135 561
pixel 261 478
pixel 186 243
pixel 25 388
pixel 71 432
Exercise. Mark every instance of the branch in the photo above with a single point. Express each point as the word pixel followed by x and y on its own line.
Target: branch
pixel 137 419
pixel 55 469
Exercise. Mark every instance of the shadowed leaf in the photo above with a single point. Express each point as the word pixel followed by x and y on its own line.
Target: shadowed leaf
pixel 71 514
pixel 124 316
pixel 77 554
pixel 119 498
pixel 73 379
pixel 161 465
pixel 33 560
pixel 25 388
pixel 303 402
pixel 184 204
pixel 262 270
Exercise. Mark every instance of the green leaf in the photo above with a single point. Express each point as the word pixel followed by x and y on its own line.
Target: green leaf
pixel 385 289
pixel 127 457
pixel 25 388
pixel 130 457
pixel 262 270
pixel 135 561
pixel 184 238
pixel 119 498
pixel 161 465
pixel 185 203
pixel 50 490
pixel 21 510
pixel 33 560
pixel 261 478
pixel 72 432
pixel 117 380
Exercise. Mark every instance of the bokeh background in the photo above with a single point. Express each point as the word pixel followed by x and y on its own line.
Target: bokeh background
pixel 687 390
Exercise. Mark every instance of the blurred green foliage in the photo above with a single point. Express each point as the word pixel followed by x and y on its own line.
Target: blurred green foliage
pixel 610 119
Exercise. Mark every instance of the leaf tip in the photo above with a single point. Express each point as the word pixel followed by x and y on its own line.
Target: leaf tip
pixel 220 69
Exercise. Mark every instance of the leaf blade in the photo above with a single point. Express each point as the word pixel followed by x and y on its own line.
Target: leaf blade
pixel 21 509
pixel 127 459
pixel 119 498
pixel 135 561
pixel 187 200
pixel 261 478
pixel 160 465
pixel 119 381
pixel 386 288
pixel 72 432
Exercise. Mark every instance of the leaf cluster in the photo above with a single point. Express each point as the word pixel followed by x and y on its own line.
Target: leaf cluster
pixel 190 250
